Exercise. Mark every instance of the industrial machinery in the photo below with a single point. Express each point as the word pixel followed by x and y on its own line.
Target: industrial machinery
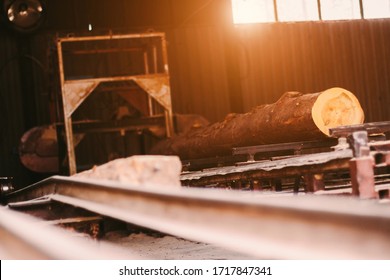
pixel 131 67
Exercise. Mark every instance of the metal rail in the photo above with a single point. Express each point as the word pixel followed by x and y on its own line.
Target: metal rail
pixel 305 164
pixel 24 237
pixel 371 128
pixel 294 227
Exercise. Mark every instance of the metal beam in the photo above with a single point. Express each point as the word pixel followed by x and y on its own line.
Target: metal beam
pixel 289 167
pixel 24 237
pixel 300 227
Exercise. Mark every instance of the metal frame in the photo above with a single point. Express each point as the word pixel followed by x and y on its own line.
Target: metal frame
pixel 368 156
pixel 359 149
pixel 74 92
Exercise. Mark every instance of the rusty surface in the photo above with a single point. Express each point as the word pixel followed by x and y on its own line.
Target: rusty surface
pixel 158 88
pixel 256 223
pixel 24 237
pixel 314 182
pixel 295 148
pixel 290 167
pixel 370 128
pixel 362 177
pixel 380 145
pixel 74 92
pixel 362 165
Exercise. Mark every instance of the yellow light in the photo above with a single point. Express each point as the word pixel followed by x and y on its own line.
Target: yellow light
pixel 376 9
pixel 253 11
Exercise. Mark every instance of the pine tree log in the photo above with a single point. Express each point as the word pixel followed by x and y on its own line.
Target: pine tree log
pixel 294 117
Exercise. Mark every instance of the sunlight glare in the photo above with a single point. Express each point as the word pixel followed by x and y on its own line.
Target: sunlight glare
pixel 376 8
pixel 297 10
pixel 340 9
pixel 253 11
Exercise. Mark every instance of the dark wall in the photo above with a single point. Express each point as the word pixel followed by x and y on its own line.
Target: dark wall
pixel 313 56
pixel 215 67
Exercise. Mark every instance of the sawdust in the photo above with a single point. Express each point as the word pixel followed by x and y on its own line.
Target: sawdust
pixel 170 248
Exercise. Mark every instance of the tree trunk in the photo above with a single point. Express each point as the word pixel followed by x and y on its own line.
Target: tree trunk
pixel 294 117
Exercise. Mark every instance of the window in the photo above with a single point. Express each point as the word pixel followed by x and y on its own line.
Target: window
pixel 376 8
pixel 340 9
pixel 252 11
pixel 297 10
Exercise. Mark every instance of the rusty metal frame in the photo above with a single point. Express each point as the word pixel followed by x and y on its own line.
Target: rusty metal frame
pixel 74 92
pixel 367 157
pixel 288 167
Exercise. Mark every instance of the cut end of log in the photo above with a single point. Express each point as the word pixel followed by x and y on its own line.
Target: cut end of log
pixel 336 107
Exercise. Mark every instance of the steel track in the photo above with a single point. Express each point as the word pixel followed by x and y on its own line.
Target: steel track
pixel 289 167
pixel 24 237
pixel 260 225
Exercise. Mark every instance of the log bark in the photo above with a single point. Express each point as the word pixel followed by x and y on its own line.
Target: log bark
pixel 294 117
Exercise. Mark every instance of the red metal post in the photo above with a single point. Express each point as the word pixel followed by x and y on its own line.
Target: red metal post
pixel 362 177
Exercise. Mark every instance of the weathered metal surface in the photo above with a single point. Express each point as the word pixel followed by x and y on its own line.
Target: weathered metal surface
pixel 290 167
pixel 362 166
pixel 74 92
pixel 371 128
pixel 380 146
pixel 314 183
pixel 24 237
pixel 118 125
pixel 307 166
pixel 367 157
pixel 27 203
pixel 251 223
pixel 158 88
pixel 359 143
pixel 362 177
pixel 112 37
pixel 295 147
pixel 74 220
pixel 200 164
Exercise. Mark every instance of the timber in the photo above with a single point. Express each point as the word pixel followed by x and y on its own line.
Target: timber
pixel 294 117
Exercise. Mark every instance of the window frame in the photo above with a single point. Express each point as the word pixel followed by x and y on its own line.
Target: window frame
pixel 320 14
